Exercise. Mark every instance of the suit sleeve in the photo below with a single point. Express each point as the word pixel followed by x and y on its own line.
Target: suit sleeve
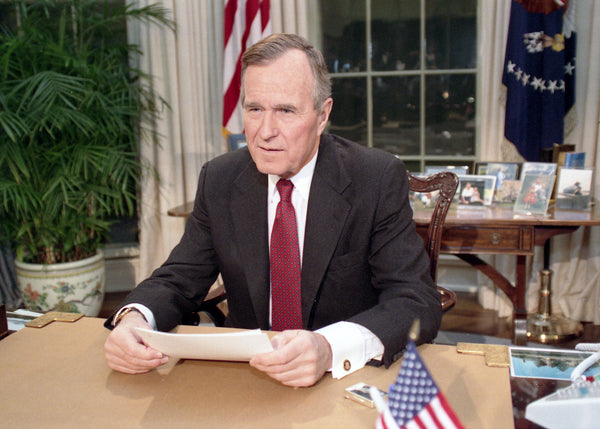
pixel 399 268
pixel 178 287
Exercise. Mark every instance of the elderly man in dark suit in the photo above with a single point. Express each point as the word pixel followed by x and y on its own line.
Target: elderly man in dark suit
pixel 364 274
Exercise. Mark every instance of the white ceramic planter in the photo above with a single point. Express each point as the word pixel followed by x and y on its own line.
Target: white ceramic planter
pixel 75 287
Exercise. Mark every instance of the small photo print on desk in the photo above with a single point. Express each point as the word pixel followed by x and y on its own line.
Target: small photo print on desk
pixel 534 195
pixel 475 190
pixel 555 364
pixel 508 192
pixel 573 189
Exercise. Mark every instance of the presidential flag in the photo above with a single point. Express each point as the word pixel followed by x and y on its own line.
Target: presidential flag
pixel 246 22
pixel 539 74
pixel 414 400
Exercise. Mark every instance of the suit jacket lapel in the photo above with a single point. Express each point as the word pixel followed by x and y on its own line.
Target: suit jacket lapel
pixel 249 214
pixel 326 216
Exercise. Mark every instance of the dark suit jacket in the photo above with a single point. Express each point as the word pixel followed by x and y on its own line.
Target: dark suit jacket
pixel 363 260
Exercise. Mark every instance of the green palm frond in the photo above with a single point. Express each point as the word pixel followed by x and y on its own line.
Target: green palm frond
pixel 70 106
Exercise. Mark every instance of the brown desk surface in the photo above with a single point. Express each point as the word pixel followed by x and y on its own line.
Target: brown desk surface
pixel 56 376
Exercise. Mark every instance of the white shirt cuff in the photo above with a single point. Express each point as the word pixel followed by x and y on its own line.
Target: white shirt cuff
pixel 142 309
pixel 352 346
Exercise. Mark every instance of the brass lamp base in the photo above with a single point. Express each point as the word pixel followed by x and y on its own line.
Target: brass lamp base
pixel 544 327
pixel 552 329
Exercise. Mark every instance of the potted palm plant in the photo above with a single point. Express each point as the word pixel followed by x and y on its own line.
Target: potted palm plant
pixel 70 109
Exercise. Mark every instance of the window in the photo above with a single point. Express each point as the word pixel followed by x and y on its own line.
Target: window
pixel 404 76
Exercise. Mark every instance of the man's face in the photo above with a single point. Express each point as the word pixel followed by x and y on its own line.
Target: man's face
pixel 281 124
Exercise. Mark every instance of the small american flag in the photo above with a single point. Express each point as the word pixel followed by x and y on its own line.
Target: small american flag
pixel 414 400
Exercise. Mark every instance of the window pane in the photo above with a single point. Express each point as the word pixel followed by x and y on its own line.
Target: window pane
pixel 344 35
pixel 451 34
pixel 413 166
pixel 395 32
pixel 396 114
pixel 450 115
pixel 349 115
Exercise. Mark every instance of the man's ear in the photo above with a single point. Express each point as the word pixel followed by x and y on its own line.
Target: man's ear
pixel 324 114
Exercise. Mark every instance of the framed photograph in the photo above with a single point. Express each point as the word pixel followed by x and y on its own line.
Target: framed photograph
pixel 503 171
pixel 236 141
pixel 475 190
pixel 508 192
pixel 573 188
pixel 457 169
pixel 537 168
pixel 574 160
pixel 535 193
pixel 481 168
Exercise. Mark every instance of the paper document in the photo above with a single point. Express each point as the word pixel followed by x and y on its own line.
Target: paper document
pixel 233 346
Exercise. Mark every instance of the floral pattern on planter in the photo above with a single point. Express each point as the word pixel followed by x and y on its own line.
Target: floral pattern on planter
pixel 74 287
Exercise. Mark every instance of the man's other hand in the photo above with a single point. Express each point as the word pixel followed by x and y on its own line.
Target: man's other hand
pixel 300 358
pixel 124 350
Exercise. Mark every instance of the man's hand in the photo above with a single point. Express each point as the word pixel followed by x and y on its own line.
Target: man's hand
pixel 300 358
pixel 124 350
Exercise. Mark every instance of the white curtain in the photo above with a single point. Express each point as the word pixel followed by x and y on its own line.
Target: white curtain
pixel 575 258
pixel 186 70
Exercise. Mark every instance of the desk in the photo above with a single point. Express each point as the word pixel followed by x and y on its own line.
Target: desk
pixel 498 230
pixel 56 376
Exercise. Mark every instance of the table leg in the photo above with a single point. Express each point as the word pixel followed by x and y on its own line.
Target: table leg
pixel 520 308
pixel 516 293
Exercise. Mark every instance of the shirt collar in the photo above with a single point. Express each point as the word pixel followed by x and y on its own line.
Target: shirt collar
pixel 301 181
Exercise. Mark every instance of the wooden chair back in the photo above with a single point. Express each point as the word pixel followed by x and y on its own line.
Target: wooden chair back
pixel 446 183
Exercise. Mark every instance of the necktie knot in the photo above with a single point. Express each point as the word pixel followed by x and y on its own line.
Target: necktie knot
pixel 285 188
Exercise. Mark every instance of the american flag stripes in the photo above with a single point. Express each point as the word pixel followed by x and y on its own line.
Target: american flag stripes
pixel 246 22
pixel 414 400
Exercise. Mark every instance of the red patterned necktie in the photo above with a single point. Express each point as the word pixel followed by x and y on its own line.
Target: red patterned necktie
pixel 285 263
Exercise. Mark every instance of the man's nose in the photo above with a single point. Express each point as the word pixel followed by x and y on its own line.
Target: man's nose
pixel 268 126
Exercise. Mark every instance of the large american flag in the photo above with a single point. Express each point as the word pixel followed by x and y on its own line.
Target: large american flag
pixel 539 75
pixel 414 400
pixel 246 22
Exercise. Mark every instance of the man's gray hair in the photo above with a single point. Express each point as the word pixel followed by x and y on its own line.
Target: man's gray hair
pixel 274 46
